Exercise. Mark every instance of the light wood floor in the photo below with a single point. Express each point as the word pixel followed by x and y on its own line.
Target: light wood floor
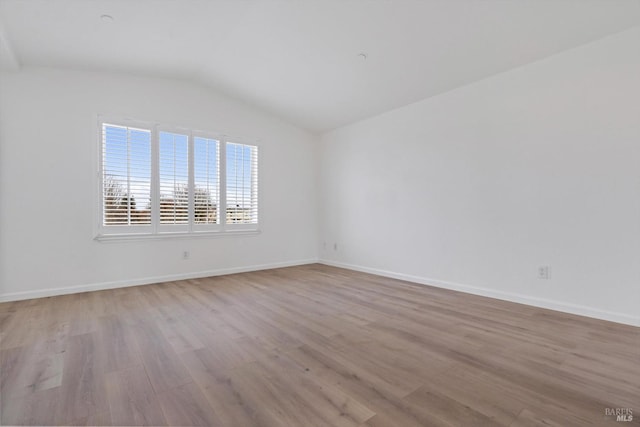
pixel 309 346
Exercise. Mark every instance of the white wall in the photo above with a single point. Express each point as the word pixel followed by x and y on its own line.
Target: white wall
pixel 472 189
pixel 475 188
pixel 48 146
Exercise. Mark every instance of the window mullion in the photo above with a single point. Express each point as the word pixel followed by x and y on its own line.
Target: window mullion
pixel 128 195
pixel 254 193
pixel 101 175
pixel 223 183
pixel 191 181
pixel 175 194
pixel 155 179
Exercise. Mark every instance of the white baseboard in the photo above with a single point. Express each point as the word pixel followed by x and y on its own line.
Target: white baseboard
pixel 506 296
pixel 16 296
pixel 475 290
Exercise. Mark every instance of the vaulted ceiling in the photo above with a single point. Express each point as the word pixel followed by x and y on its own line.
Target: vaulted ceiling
pixel 301 59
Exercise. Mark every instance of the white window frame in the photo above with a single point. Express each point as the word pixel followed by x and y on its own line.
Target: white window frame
pixel 155 230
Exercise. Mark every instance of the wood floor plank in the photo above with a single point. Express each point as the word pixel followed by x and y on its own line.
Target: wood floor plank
pixel 394 413
pixel 117 343
pixel 82 392
pixel 181 337
pixel 36 366
pixel 85 320
pixel 100 419
pixel 185 405
pixel 497 399
pixel 324 402
pixel 348 375
pixel 212 374
pixel 24 325
pixel 537 418
pixel 308 346
pixel 446 408
pixel 272 403
pixel 35 409
pixel 164 367
pixel 132 400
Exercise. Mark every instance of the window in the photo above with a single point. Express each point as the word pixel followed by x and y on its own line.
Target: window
pixel 206 192
pixel 161 181
pixel 242 183
pixel 126 176
pixel 174 178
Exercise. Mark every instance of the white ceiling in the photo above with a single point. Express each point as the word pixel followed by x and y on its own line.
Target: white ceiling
pixel 299 59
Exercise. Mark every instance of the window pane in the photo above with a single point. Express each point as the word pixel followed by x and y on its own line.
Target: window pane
pixel 174 178
pixel 206 174
pixel 126 165
pixel 242 184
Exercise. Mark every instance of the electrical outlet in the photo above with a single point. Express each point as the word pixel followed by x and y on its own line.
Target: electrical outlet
pixel 186 255
pixel 544 272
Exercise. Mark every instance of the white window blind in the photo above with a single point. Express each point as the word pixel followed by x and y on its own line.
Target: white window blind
pixel 242 183
pixel 126 175
pixel 206 165
pixel 155 180
pixel 174 178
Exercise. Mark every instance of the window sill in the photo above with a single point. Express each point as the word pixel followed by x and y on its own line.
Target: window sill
pixel 170 236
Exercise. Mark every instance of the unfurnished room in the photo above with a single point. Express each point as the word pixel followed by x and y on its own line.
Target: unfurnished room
pixel 349 213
